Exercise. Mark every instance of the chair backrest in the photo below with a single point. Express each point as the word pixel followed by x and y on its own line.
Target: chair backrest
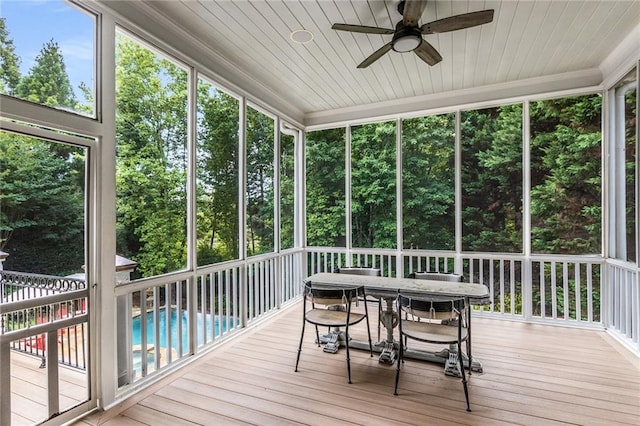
pixel 432 307
pixel 437 276
pixel 332 295
pixel 441 309
pixel 375 272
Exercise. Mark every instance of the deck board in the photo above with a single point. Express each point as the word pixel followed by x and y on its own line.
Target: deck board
pixel 29 395
pixel 533 375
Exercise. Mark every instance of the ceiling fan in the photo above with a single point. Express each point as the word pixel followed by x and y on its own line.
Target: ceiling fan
pixel 407 35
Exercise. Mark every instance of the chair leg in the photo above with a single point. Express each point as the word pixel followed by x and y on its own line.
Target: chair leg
pixel 346 344
pixel 464 376
pixel 317 336
pixel 300 345
pixel 379 316
pixel 398 362
pixel 469 336
pixel 366 315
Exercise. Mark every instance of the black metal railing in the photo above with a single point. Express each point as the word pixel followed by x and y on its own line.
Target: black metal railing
pixel 16 287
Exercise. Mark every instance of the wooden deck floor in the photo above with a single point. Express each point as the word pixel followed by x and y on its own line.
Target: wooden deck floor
pixel 533 375
pixel 29 389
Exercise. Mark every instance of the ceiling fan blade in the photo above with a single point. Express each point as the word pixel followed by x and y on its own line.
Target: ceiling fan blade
pixel 375 56
pixel 412 12
pixel 458 22
pixel 428 53
pixel 361 29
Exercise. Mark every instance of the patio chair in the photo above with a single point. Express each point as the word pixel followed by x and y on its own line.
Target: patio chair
pixel 372 272
pixel 441 312
pixel 432 331
pixel 321 298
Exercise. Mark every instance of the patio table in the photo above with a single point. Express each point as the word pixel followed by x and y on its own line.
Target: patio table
pixel 387 288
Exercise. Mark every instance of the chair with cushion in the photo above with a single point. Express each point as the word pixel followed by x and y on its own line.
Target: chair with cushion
pixel 423 324
pixel 372 272
pixel 331 307
pixel 441 313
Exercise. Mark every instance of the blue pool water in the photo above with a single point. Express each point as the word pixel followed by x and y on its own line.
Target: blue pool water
pixel 218 326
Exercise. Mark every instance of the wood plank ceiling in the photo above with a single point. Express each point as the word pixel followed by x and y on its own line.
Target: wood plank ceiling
pixel 527 39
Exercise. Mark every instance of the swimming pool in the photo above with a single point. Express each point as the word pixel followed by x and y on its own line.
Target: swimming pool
pixel 219 327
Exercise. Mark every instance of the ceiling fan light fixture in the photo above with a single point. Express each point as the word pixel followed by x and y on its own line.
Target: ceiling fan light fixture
pixel 406 39
pixel 406 43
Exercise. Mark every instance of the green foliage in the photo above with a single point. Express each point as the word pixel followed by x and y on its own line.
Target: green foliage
pixel 9 61
pixel 217 175
pixel 42 192
pixel 287 161
pixel 151 122
pixel 492 179
pixel 260 196
pixel 325 186
pixel 373 185
pixel 41 205
pixel 566 175
pixel 48 82
pixel 631 117
pixel 428 182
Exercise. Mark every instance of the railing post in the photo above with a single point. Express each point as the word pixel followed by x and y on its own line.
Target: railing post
pixel 527 288
pixel 5 380
pixel 124 364
pixel 53 390
pixel 243 284
pixel 278 277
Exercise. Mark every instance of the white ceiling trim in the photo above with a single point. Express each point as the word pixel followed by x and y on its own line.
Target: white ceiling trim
pixel 622 59
pixel 460 98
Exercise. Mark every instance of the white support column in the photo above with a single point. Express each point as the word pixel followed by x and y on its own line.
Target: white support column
pixel 347 194
pixel 527 285
pixel 276 210
pixel 301 196
pixel 242 202
pixel 608 200
pixel 458 194
pixel 192 238
pixel 618 154
pixel 399 212
pixel 299 207
pixel 101 269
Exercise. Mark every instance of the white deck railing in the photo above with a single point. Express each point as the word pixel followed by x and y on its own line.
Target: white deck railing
pixel 542 288
pixel 623 301
pixel 165 320
pixel 42 310
pixel 195 312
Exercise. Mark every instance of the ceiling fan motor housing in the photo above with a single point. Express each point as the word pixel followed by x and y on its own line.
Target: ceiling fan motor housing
pixel 406 39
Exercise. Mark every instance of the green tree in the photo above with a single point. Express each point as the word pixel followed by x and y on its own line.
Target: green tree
pixel 565 175
pixel 47 82
pixel 428 182
pixel 287 190
pixel 373 185
pixel 9 61
pixel 218 151
pixel 151 159
pixel 41 205
pixel 325 156
pixel 492 179
pixel 260 197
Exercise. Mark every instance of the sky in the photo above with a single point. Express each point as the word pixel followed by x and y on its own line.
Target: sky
pixel 32 23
